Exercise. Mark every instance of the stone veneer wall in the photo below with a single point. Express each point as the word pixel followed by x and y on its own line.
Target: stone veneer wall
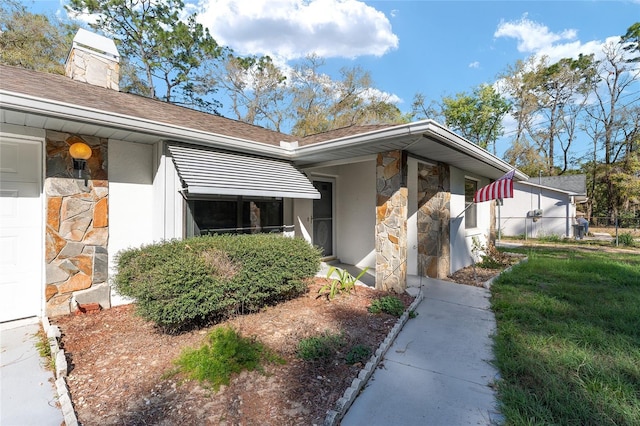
pixel 391 221
pixel 83 65
pixel 77 226
pixel 434 197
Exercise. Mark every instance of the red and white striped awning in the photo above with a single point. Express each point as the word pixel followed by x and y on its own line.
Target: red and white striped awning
pixel 502 188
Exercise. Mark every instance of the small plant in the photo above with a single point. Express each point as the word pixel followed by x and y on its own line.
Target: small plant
pixel 626 239
pixel 388 304
pixel 344 282
pixel 44 349
pixel 319 348
pixel 226 353
pixel 358 354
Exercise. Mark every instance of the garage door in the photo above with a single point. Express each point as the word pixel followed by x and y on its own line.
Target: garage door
pixel 21 244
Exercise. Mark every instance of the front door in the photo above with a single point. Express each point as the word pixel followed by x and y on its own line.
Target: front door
pixel 20 229
pixel 323 217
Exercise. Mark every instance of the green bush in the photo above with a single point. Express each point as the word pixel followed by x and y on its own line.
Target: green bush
pixel 626 239
pixel 320 348
pixel 226 353
pixel 358 354
pixel 387 304
pixel 181 284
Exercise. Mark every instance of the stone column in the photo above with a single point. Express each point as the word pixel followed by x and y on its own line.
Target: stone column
pixel 434 197
pixel 77 232
pixel 391 221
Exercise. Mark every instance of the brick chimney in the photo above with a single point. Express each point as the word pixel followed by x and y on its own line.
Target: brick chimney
pixel 94 59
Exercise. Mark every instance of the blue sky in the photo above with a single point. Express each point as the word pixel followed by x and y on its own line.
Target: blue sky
pixel 434 47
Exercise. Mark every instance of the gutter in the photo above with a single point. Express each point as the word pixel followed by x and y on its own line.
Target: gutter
pixel 456 142
pixel 64 111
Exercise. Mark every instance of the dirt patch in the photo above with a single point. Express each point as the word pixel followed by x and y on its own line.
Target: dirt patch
pixel 120 365
pixel 470 277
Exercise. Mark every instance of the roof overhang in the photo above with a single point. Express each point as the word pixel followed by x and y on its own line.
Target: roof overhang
pixel 548 188
pixel 424 139
pixel 24 110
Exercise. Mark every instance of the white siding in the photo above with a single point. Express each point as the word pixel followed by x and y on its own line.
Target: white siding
pixel 462 238
pixel 356 214
pixel 131 203
pixel 557 212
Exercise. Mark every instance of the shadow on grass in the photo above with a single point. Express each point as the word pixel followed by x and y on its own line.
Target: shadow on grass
pixel 568 341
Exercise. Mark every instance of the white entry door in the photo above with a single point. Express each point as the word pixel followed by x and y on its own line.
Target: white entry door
pixel 21 243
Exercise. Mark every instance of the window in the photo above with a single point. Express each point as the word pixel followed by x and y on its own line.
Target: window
pixel 234 215
pixel 470 214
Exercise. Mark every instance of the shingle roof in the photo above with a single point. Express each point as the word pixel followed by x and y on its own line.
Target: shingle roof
pixel 572 183
pixel 63 89
pixel 341 132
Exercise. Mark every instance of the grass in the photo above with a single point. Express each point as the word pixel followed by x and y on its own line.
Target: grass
pixel 226 353
pixel 321 348
pixel 568 338
pixel 387 304
pixel 44 349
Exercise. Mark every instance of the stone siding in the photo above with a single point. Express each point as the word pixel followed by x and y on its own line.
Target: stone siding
pixel 434 197
pixel 89 67
pixel 391 221
pixel 77 230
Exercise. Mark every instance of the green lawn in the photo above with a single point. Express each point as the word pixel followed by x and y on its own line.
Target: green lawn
pixel 568 340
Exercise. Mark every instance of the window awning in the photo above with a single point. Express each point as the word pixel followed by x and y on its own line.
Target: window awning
pixel 207 171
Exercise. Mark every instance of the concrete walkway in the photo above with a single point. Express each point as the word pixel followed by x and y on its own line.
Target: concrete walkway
pixel 438 371
pixel 27 393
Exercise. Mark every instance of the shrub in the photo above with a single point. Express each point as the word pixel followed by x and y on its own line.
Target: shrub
pixel 388 304
pixel 181 284
pixel 358 354
pixel 226 353
pixel 626 239
pixel 320 348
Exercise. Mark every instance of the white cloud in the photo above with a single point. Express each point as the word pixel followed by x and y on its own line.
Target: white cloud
pixel 383 96
pixel 538 40
pixel 532 36
pixel 292 29
pixel 474 64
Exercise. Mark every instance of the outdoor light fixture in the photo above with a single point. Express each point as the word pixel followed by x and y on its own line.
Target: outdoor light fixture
pixel 80 152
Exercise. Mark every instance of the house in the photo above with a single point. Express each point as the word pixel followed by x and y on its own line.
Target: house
pixel 543 206
pixel 391 198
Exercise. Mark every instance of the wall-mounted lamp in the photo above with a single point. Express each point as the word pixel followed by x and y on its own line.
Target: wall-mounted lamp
pixel 80 152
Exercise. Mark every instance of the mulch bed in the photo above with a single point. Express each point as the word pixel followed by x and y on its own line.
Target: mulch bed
pixel 121 365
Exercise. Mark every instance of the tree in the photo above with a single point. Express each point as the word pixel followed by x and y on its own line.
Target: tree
pixel 477 116
pixel 547 103
pixel 33 41
pixel 562 93
pixel 321 104
pixel 525 157
pixel 421 110
pixel 166 48
pixel 613 128
pixel 257 89
pixel 631 42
